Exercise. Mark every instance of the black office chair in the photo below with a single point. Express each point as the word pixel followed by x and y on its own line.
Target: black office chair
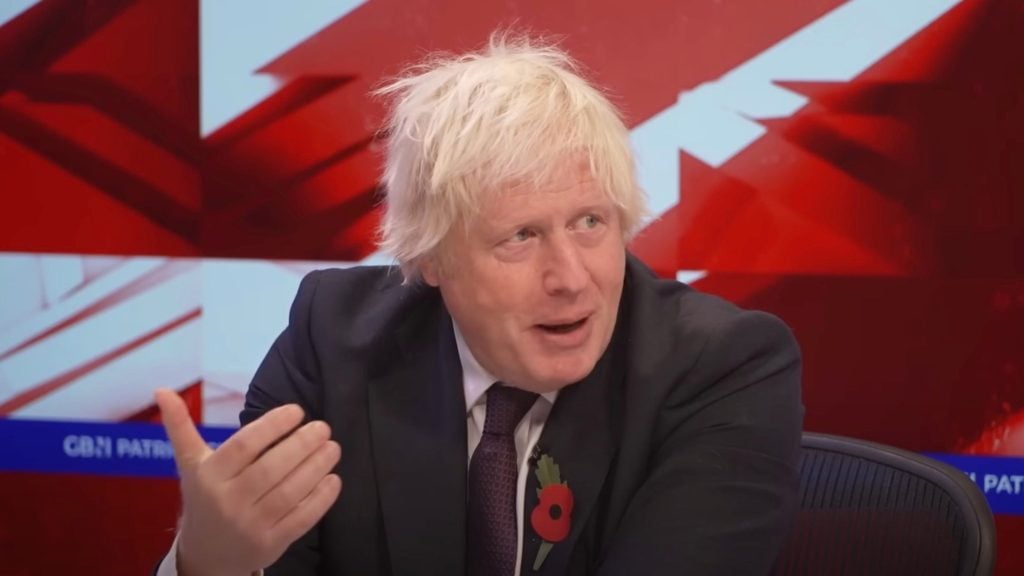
pixel 866 508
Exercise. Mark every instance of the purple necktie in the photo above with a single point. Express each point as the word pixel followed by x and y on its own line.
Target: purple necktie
pixel 493 478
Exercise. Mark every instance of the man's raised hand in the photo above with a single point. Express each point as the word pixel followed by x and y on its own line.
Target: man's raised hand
pixel 246 502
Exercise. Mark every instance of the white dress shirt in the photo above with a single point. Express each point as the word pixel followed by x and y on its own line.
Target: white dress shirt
pixel 475 382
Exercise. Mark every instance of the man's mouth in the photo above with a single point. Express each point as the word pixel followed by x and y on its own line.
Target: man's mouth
pixel 563 328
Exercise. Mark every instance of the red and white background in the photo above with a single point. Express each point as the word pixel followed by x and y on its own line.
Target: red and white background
pixel 169 169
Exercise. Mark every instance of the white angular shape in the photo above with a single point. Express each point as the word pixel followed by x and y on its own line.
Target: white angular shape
pixel 717 120
pixel 656 145
pixel 245 307
pixel 378 258
pixel 61 274
pixel 125 385
pixel 98 335
pixel 131 270
pixel 21 291
pixel 10 9
pixel 690 276
pixel 237 37
pixel 710 132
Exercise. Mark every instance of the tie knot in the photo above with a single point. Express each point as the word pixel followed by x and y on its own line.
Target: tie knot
pixel 506 406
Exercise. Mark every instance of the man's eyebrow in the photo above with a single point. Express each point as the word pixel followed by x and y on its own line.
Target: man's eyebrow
pixel 501 229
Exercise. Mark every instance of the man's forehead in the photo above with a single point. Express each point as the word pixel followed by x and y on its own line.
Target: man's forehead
pixel 565 183
pixel 526 199
pixel 557 176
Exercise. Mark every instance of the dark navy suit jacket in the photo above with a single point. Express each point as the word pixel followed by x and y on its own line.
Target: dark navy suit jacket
pixel 681 447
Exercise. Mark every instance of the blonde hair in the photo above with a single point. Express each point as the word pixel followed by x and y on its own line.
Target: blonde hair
pixel 464 126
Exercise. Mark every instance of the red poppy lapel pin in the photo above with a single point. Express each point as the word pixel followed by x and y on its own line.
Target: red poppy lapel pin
pixel 551 518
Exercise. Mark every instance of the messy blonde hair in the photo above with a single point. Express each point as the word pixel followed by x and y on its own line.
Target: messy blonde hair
pixel 463 126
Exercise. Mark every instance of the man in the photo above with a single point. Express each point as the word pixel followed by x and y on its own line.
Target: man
pixel 522 396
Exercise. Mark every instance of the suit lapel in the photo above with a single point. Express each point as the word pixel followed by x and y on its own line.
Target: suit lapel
pixel 418 434
pixel 580 435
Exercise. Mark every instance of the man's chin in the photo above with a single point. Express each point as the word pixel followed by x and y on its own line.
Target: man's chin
pixel 560 377
pixel 545 386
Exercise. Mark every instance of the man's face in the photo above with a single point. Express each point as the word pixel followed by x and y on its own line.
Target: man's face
pixel 534 283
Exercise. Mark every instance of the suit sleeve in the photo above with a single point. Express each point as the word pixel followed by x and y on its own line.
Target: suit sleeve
pixel 290 374
pixel 721 491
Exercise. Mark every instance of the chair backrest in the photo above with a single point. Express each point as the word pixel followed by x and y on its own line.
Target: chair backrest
pixel 867 508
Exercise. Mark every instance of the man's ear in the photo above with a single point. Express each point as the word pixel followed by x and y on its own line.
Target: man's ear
pixel 430 270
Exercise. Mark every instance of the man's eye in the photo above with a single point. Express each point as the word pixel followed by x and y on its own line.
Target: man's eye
pixel 588 222
pixel 522 235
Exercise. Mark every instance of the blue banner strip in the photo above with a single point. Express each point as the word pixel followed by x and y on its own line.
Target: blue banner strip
pixel 1001 479
pixel 143 450
pixel 91 447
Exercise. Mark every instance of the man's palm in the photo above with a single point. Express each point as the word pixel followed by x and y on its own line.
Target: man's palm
pixel 261 490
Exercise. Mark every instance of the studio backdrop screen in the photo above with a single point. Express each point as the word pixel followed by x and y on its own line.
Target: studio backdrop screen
pixel 169 171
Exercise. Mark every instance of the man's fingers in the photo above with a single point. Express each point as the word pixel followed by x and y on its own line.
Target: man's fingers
pixel 309 511
pixel 246 445
pixel 189 446
pixel 296 486
pixel 281 460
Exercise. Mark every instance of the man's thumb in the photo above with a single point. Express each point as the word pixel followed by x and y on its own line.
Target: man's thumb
pixel 189 446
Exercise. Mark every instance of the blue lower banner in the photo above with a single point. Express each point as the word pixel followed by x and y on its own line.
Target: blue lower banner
pixel 143 450
pixel 92 447
pixel 1001 479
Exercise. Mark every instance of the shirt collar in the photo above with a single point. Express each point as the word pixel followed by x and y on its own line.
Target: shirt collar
pixel 475 378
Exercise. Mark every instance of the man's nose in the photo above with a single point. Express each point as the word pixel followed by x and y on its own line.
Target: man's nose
pixel 565 272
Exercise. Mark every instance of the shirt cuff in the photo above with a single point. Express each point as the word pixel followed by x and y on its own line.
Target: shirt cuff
pixel 169 565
